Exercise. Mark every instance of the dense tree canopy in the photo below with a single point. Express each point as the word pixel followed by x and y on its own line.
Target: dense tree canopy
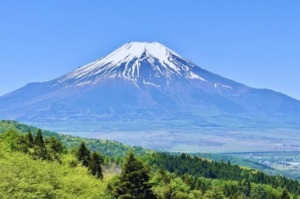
pixel 33 165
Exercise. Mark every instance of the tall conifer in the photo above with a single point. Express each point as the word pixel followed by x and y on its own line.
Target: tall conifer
pixel 30 139
pixel 134 180
pixel 95 165
pixel 83 154
pixel 39 146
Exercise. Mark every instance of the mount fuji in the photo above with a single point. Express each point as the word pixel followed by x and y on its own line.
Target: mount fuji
pixel 146 85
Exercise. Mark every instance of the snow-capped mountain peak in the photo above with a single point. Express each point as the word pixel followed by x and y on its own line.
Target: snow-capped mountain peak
pixel 135 50
pixel 141 62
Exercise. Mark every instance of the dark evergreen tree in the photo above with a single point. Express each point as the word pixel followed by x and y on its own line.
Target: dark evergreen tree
pixel 30 139
pixel 22 144
pixel 39 141
pixel 54 144
pixel 39 146
pixel 83 154
pixel 95 165
pixel 247 188
pixel 285 194
pixel 54 148
pixel 134 180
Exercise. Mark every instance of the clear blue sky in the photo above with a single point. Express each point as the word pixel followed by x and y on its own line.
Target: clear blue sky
pixel 253 42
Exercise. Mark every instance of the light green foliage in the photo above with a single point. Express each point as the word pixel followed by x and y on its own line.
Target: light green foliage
pixel 24 173
pixel 23 177
pixel 169 186
pixel 215 193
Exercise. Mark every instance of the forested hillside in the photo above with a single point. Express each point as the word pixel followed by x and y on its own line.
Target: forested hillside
pixel 106 147
pixel 42 164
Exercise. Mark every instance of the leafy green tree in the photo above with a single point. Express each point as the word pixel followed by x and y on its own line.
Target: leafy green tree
pixel 95 165
pixel 180 195
pixel 134 180
pixel 258 193
pixel 214 193
pixel 11 137
pixel 83 154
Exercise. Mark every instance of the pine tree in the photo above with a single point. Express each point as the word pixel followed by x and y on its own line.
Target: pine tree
pixel 83 154
pixel 30 139
pixel 39 141
pixel 39 146
pixel 285 194
pixel 54 148
pixel 54 145
pixel 95 165
pixel 134 180
pixel 247 189
pixel 22 144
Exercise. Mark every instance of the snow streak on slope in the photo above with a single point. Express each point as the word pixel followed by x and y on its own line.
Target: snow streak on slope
pixel 140 62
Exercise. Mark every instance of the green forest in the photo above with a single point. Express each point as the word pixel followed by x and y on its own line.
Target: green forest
pixel 37 163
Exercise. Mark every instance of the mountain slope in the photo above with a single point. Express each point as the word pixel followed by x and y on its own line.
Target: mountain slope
pixel 148 82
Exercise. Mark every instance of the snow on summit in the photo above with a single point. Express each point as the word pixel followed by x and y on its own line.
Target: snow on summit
pixel 143 63
pixel 134 50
